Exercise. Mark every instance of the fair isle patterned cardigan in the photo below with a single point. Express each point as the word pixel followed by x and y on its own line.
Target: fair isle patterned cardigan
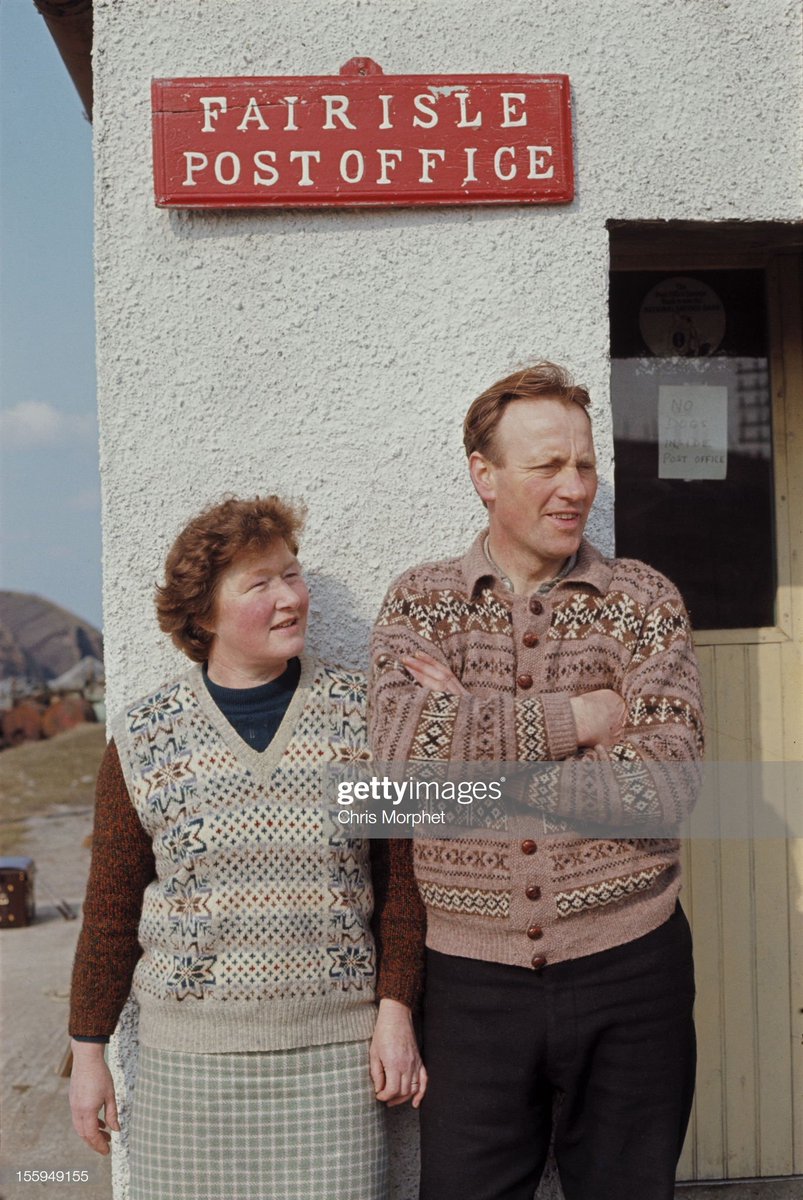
pixel 255 932
pixel 532 899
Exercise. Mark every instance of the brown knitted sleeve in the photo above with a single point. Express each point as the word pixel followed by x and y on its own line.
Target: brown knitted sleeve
pixel 122 867
pixel 399 923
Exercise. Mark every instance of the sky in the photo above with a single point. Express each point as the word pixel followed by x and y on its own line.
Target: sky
pixel 49 484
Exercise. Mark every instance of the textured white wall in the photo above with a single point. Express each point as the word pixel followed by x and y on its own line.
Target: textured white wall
pixel 332 355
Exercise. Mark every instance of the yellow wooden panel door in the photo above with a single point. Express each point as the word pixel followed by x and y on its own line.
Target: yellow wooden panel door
pixel 745 897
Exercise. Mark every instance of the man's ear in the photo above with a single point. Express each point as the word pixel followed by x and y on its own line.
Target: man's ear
pixel 482 476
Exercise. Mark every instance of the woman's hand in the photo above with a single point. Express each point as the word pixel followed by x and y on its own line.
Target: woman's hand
pixel 431 673
pixel 91 1089
pixel 396 1067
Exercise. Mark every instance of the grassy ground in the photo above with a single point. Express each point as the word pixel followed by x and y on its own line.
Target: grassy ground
pixel 39 777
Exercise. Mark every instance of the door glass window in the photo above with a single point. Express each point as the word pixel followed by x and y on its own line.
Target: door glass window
pixel 692 417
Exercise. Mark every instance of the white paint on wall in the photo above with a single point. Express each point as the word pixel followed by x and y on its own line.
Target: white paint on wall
pixel 332 355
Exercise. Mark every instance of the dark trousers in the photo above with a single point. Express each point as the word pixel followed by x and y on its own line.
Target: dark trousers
pixel 611 1034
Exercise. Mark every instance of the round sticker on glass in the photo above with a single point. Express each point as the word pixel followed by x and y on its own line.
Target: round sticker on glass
pixel 682 317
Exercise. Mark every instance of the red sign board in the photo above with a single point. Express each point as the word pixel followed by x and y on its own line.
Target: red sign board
pixel 362 138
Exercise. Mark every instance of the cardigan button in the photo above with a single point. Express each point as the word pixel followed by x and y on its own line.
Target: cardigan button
pixel 525 682
pixel 535 932
pixel 530 639
pixel 382 661
pixel 532 891
pixel 529 846
pixel 536 606
pixel 539 961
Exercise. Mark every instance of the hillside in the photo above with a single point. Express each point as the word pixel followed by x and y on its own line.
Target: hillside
pixel 41 640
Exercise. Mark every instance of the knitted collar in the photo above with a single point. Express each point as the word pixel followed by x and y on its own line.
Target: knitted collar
pixel 507 582
pixel 589 567
pixel 261 762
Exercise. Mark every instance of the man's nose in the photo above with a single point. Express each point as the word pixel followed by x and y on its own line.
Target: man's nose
pixel 572 484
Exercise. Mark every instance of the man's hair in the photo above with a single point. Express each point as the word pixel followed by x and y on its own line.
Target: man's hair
pixel 541 381
pixel 203 550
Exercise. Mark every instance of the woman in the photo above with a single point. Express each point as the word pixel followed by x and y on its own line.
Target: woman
pixel 239 909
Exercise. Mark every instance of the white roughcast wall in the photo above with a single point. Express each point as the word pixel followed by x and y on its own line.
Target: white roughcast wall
pixel 332 355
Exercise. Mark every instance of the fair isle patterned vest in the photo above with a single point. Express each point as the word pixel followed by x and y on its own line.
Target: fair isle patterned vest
pixel 255 933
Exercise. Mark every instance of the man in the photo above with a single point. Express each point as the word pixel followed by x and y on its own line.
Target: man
pixel 557 966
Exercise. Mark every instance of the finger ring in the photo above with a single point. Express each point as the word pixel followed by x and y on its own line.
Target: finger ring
pixel 414 1084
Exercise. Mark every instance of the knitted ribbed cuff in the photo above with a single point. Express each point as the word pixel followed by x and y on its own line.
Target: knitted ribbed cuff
pixel 401 986
pixel 561 730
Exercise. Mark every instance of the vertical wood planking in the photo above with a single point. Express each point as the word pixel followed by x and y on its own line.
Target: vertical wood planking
pixel 708 1138
pixel 739 1015
pixel 789 315
pixel 709 1134
pixel 793 755
pixel 688 1155
pixel 772 927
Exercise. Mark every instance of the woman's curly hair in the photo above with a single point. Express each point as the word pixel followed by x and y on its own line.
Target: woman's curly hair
pixel 210 543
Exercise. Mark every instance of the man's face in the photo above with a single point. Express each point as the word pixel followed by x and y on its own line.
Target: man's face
pixel 541 488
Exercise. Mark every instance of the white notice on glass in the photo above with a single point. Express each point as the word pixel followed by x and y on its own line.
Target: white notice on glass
pixel 692 432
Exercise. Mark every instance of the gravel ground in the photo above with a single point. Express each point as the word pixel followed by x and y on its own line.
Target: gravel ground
pixel 36 963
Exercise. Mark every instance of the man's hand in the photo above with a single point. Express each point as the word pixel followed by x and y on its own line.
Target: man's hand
pixel 91 1089
pixel 397 1071
pixel 599 717
pixel 431 673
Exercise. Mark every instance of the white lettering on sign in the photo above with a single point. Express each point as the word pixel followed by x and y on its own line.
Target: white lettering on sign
pixel 226 166
pixel 291 102
pixel 213 106
pixel 464 122
pixel 425 105
pixel 253 113
pixel 538 162
pixel 259 161
pixel 386 122
pixel 358 171
pixel 368 142
pixel 305 156
pixel 692 432
pixel 337 106
pixel 386 163
pixel 234 170
pixel 509 102
pixel 428 158
pixel 500 174
pixel 195 162
pixel 428 106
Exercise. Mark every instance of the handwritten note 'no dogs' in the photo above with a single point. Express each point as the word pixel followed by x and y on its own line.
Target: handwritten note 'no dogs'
pixel 692 432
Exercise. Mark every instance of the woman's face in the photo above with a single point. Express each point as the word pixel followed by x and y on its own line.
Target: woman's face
pixel 260 614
